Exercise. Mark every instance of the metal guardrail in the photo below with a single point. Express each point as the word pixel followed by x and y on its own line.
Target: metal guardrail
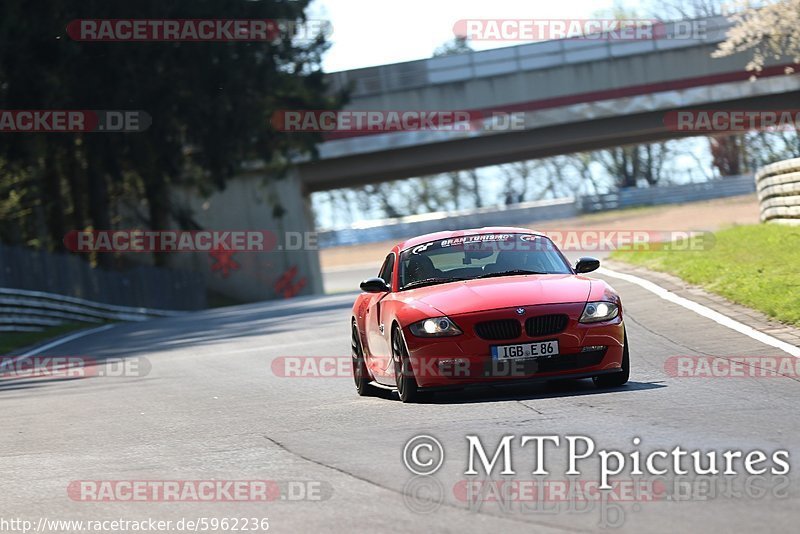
pixel 23 310
pixel 669 194
pixel 778 186
pixel 526 213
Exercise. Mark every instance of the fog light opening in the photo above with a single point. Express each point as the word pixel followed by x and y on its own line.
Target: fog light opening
pixel 593 348
pixel 453 367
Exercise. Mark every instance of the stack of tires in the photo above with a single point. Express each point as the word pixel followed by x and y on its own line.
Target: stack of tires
pixel 778 187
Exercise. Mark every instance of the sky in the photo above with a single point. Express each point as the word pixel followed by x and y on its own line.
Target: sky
pixel 377 32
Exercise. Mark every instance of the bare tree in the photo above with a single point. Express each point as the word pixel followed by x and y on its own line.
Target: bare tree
pixel 474 187
pixel 517 181
pixel 584 164
pixel 768 147
pixel 728 154
pixel 628 165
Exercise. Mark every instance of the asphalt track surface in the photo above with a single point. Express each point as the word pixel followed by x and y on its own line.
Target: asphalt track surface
pixel 210 407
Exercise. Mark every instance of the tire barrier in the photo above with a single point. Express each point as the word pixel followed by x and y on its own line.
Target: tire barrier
pixel 778 187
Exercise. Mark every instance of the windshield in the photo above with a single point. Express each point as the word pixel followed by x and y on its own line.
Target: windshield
pixel 478 256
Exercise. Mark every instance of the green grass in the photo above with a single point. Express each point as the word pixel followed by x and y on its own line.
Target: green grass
pixel 757 266
pixel 16 340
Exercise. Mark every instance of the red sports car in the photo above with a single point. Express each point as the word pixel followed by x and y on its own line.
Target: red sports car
pixel 469 307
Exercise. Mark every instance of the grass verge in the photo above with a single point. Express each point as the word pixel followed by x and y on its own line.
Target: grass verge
pixel 756 265
pixel 16 340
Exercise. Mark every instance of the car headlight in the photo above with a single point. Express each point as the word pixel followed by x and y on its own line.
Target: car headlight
pixel 595 312
pixel 434 327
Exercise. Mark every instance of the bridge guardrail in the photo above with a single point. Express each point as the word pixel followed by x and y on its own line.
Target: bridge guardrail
pixel 531 56
pixel 778 187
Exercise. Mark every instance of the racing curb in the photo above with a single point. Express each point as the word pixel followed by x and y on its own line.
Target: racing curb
pixel 753 318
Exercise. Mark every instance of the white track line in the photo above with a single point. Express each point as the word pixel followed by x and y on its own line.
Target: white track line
pixel 57 342
pixel 699 309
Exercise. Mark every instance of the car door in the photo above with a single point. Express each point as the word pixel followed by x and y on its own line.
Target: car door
pixel 377 332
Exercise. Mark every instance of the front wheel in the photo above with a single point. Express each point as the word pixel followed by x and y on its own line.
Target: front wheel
pixel 407 387
pixel 615 380
pixel 360 373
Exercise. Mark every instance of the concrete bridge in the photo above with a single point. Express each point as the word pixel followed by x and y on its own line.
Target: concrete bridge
pixel 575 94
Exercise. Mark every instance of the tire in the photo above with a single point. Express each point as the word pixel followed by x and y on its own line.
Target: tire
pixel 360 373
pixel 615 380
pixel 407 387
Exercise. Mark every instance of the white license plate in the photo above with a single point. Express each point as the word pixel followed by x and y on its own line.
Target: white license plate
pixel 538 349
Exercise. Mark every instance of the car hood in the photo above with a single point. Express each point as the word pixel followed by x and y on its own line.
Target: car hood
pixel 469 296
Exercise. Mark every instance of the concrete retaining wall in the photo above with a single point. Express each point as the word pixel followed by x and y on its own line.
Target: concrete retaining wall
pixel 778 187
pixel 247 202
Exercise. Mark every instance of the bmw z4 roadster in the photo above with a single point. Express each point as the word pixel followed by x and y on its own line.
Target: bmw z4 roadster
pixel 489 305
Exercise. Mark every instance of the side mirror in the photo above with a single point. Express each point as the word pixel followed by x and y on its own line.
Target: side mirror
pixel 587 265
pixel 375 285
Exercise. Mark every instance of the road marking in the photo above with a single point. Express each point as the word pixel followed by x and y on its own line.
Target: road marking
pixel 57 342
pixel 699 309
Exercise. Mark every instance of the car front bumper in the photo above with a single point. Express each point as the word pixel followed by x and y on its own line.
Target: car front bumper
pixel 584 350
